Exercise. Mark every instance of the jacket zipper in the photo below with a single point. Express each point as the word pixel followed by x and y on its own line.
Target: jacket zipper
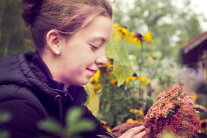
pixel 59 100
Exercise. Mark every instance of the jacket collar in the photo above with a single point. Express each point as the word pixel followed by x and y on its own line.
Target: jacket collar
pixel 41 71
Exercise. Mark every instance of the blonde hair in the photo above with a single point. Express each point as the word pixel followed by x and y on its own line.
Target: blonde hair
pixel 64 15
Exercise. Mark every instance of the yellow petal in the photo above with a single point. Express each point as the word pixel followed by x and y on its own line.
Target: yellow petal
pixel 113 82
pixel 96 77
pixel 147 37
pixel 130 78
pixel 96 86
pixel 144 80
pixel 131 121
pixel 150 59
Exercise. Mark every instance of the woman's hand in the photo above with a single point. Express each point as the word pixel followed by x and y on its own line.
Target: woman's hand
pixel 130 130
pixel 135 132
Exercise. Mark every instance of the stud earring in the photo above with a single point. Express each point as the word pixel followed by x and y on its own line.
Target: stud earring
pixel 57 52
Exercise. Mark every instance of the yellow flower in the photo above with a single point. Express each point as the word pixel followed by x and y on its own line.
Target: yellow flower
pixel 137 111
pixel 111 72
pixel 96 77
pixel 113 82
pixel 122 31
pixel 117 27
pixel 144 80
pixel 104 124
pixel 130 78
pixel 132 37
pixel 108 129
pixel 194 97
pixel 108 65
pixel 137 42
pixel 203 126
pixel 96 86
pixel 147 37
pixel 150 59
pixel 131 121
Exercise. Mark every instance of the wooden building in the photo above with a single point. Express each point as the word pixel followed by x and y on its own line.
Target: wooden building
pixel 194 54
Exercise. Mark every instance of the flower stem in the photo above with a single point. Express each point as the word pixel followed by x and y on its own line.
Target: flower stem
pixel 140 68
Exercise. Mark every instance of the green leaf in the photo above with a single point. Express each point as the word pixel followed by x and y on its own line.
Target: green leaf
pixel 81 126
pixel 74 115
pixel 93 100
pixel 117 50
pixel 4 117
pixel 50 125
pixel 121 72
pixel 4 134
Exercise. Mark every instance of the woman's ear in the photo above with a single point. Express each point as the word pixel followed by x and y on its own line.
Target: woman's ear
pixel 53 41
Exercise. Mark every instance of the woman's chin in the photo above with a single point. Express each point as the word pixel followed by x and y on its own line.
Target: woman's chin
pixel 82 82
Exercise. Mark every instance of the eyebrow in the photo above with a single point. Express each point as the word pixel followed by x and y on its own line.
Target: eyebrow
pixel 102 39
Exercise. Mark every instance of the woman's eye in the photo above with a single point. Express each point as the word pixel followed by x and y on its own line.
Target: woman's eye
pixel 93 48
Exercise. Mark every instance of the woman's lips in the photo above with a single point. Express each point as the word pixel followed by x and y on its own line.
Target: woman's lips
pixel 92 70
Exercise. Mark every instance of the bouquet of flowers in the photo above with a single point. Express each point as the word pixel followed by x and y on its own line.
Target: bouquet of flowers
pixel 174 112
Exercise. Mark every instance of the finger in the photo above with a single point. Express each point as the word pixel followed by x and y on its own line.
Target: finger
pixel 141 134
pixel 133 131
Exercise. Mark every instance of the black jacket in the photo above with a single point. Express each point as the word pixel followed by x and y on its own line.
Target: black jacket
pixel 29 94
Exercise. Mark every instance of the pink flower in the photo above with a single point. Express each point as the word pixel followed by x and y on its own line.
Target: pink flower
pixel 174 112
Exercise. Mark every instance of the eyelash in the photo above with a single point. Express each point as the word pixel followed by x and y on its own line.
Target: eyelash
pixel 93 48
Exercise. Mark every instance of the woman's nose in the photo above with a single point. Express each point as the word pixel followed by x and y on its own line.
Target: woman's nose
pixel 101 60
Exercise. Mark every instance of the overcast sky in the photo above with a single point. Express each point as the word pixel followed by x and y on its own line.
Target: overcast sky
pixel 201 7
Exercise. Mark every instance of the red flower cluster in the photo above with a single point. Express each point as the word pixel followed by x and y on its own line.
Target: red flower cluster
pixel 173 112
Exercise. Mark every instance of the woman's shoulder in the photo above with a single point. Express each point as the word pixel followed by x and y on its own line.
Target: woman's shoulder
pixel 7 59
pixel 13 95
pixel 11 62
pixel 23 108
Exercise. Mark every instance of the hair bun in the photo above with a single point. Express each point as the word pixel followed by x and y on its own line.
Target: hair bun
pixel 30 10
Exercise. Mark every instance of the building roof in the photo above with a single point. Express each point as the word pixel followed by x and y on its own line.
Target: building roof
pixel 192 50
pixel 196 41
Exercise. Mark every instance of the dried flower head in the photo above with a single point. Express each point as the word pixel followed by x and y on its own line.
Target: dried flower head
pixel 173 112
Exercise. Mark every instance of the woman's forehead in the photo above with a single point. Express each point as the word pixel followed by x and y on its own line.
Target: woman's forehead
pixel 98 29
pixel 99 39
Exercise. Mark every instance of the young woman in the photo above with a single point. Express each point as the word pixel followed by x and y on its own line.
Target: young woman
pixel 69 36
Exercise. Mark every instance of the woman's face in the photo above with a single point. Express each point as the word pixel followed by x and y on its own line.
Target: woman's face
pixel 83 52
